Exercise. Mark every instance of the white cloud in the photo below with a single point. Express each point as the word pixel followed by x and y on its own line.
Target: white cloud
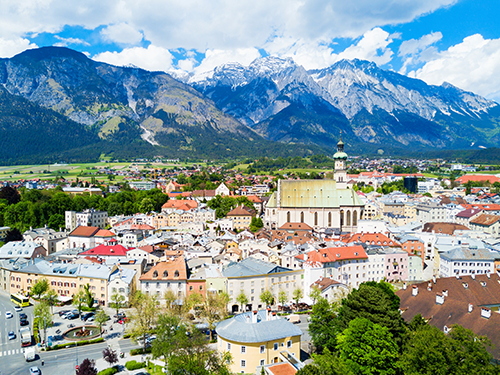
pixel 67 41
pixel 121 33
pixel 11 47
pixel 151 58
pixel 470 65
pixel 417 50
pixel 215 57
pixel 373 46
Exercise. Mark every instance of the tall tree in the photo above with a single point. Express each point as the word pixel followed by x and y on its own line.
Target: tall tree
pixel 117 301
pixel 242 299
pixel 87 367
pixel 267 297
pixel 79 300
pixel 51 297
pixel 315 293
pixel 13 235
pixel 215 309
pixel 323 325
pixel 110 356
pixel 43 315
pixel 40 287
pixel 144 316
pixel 282 297
pixel 88 297
pixel 297 296
pixel 10 194
pixel 100 318
pixel 368 348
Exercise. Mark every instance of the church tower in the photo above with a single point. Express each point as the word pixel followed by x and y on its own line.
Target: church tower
pixel 340 172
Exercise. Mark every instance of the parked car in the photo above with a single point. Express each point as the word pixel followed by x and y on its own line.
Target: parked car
pixel 86 316
pixel 24 322
pixel 12 335
pixel 63 312
pixel 91 318
pixel 23 316
pixel 8 315
pixel 72 316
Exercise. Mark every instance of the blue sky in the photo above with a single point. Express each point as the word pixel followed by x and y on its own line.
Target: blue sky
pixel 457 41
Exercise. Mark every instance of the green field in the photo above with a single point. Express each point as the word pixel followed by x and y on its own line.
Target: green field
pixel 82 171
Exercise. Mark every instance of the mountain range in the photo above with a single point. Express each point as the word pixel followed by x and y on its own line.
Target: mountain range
pixel 57 104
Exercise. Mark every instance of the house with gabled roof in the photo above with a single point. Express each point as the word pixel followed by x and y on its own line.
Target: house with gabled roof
pixel 83 236
pixel 487 224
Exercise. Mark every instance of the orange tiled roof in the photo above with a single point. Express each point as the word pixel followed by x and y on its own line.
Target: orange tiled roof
pixel 370 238
pixel 335 254
pixel 282 369
pixel 82 231
pixel 180 204
pixel 485 206
pixel 170 266
pixel 105 233
pixel 485 220
pixel 476 178
pixel 241 211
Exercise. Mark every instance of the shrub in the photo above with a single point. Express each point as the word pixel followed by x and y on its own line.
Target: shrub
pixel 134 365
pixel 108 371
pixel 140 351
pixel 77 343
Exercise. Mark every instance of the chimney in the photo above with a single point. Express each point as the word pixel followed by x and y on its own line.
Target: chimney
pixel 248 318
pixel 473 276
pixel 434 279
pixel 488 275
pixel 274 317
pixel 254 316
pixel 404 286
pixel 470 308
pixel 485 312
pixel 429 286
pixel 445 293
pixel 268 315
pixel 439 299
pixel 414 291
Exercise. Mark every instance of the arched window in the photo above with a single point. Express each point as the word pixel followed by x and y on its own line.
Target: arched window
pixel 355 218
pixel 348 218
pixel 288 217
pixel 315 218
pixel 341 218
pixel 155 274
pixel 301 217
pixel 329 219
pixel 165 273
pixel 176 274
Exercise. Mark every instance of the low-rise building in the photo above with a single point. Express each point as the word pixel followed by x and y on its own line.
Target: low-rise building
pixel 256 338
pixel 466 260
pixel 168 275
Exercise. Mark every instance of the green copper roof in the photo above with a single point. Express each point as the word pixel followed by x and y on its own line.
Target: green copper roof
pixel 314 194
pixel 340 155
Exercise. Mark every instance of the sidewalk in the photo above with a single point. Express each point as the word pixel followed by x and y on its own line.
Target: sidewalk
pixel 101 364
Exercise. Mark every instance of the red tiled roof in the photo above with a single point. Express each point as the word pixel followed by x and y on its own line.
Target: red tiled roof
pixel 334 254
pixel 475 178
pixel 485 206
pixel 147 248
pixel 107 250
pixel 170 266
pixel 82 231
pixel 254 199
pixel 295 226
pixel 446 228
pixel 105 233
pixel 485 220
pixel 241 211
pixel 141 227
pixel 369 238
pixel 469 212
pixel 282 369
pixel 176 194
pixel 180 204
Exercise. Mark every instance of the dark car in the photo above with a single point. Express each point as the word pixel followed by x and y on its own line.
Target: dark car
pixel 87 316
pixel 12 335
pixel 23 316
pixel 63 312
pixel 72 316
pixel 24 322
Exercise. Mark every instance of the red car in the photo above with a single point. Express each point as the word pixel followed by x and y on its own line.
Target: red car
pixel 124 320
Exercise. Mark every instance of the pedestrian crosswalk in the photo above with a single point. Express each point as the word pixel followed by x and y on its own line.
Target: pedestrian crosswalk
pixel 10 352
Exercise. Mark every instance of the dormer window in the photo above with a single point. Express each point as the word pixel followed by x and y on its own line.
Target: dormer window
pixel 176 274
pixel 165 273
pixel 155 274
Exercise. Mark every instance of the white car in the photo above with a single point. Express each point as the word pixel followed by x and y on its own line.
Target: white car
pixel 8 315
pixel 18 309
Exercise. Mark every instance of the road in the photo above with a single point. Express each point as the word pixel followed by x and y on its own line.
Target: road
pixel 58 362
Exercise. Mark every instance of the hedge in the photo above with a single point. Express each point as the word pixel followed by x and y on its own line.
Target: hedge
pixel 134 365
pixel 108 371
pixel 35 330
pixel 140 351
pixel 76 343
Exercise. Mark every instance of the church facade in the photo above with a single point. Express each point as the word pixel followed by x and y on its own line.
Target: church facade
pixel 322 204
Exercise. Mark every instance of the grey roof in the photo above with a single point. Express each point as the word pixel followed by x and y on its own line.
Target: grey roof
pixel 240 328
pixel 18 249
pixel 252 267
pixel 125 274
pixel 460 253
pixel 67 269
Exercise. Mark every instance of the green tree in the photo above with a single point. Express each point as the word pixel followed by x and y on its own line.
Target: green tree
pixel 375 302
pixel 215 309
pixel 51 297
pixel 79 300
pixel 117 301
pixel 315 293
pixel 44 317
pixel 242 299
pixel 89 297
pixel 297 296
pixel 256 224
pixel 282 297
pixel 40 287
pixel 323 325
pixel 100 318
pixel 368 348
pixel 144 316
pixel 267 297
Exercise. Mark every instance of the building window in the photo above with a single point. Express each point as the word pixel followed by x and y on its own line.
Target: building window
pixel 315 218
pixel 262 348
pixel 275 346
pixel 289 344
pixel 262 362
pixel 301 217
pixel 243 349
pixel 348 218
pixel 228 346
pixel 288 217
pixel 243 363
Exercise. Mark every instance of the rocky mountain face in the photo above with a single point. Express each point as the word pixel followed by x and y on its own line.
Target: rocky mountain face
pixel 128 106
pixel 373 107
